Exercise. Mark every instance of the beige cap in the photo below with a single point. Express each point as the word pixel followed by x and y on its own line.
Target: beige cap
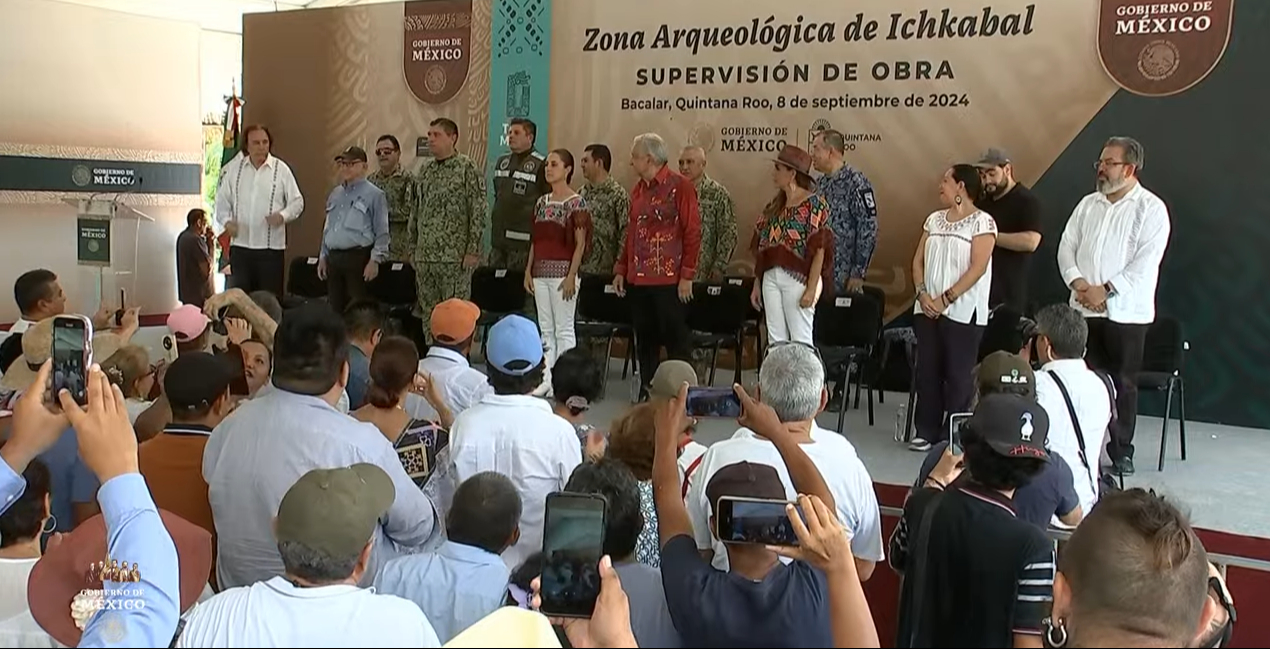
pixel 669 376
pixel 37 346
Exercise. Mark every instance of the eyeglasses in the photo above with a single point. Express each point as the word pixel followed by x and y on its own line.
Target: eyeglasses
pixel 1109 163
pixel 385 151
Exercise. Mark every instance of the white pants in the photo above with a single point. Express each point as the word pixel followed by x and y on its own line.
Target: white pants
pixel 786 320
pixel 555 319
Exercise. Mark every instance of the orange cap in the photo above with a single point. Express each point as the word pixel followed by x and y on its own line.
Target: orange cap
pixel 454 320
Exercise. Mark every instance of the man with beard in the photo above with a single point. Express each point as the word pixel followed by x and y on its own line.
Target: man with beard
pixel 395 182
pixel 1018 215
pixel 1110 256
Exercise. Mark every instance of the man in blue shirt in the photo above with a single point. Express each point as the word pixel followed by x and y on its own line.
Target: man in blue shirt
pixel 355 237
pixel 364 323
pixel 465 579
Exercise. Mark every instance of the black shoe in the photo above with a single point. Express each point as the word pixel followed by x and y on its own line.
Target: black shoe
pixel 1123 466
pixel 835 402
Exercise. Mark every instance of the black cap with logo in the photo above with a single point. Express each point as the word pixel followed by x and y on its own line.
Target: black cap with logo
pixel 1012 425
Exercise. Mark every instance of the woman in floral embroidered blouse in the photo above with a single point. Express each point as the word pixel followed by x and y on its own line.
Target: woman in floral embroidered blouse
pixel 560 238
pixel 793 251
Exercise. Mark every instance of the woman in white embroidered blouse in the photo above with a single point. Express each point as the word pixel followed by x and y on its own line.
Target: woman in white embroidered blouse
pixel 953 272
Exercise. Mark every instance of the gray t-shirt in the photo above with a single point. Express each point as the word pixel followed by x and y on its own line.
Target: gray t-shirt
pixel 650 618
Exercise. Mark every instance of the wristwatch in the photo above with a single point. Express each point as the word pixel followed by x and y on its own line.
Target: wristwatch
pixel 1111 290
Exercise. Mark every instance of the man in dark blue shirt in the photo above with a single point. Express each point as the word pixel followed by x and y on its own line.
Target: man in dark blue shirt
pixel 364 322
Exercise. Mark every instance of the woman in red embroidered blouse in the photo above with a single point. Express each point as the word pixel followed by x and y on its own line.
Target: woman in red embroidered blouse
pixel 559 240
pixel 793 250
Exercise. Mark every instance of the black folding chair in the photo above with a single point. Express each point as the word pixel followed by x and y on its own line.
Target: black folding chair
pixel 717 317
pixel 602 314
pixel 394 287
pixel 498 292
pixel 1163 356
pixel 849 325
pixel 303 283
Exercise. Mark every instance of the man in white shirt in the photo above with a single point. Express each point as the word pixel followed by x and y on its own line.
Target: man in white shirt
pixel 515 433
pixel 290 428
pixel 326 525
pixel 1110 256
pixel 258 196
pixel 1060 348
pixel 453 326
pixel 39 295
pixel 792 382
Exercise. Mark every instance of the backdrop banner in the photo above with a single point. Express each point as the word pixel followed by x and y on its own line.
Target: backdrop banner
pixel 520 73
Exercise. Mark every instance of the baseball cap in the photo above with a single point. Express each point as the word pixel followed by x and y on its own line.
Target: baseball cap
pixel 514 340
pixel 66 570
pixel 454 320
pixel 352 153
pixel 1012 425
pixel 37 346
pixel 745 480
pixel 187 322
pixel 335 511
pixel 196 380
pixel 670 375
pixel 1003 368
pixel 993 158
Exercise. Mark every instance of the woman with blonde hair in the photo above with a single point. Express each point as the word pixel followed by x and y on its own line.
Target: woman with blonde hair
pixel 130 369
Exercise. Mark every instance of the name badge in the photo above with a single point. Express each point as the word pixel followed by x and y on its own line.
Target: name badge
pixel 842 302
pixel 396 267
pixel 714 290
pixel 736 281
pixel 312 261
pixel 610 289
pixel 516 236
pixel 500 273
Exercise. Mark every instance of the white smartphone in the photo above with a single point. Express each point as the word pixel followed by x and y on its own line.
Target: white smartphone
pixel 955 421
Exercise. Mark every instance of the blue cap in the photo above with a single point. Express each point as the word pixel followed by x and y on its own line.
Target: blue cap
pixel 514 338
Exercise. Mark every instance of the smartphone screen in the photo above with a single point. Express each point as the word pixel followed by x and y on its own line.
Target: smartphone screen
pixel 572 544
pixel 955 421
pixel 72 354
pixel 748 520
pixel 713 402
pixel 123 305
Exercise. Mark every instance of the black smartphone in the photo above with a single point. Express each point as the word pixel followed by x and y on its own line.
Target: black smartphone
pixel 955 421
pixel 572 545
pixel 713 402
pixel 72 354
pixel 751 520
pixel 123 305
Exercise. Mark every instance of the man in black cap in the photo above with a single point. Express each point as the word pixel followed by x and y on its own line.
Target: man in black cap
pixel 1017 212
pixel 355 237
pixel 960 539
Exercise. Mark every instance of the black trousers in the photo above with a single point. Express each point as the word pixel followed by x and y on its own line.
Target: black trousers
pixel 345 282
pixel 254 269
pixel 1116 349
pixel 947 352
pixel 660 320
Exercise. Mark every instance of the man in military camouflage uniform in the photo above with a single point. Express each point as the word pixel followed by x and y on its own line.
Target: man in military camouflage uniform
pixel 447 221
pixel 395 183
pixel 610 207
pixel 518 182
pixel 718 216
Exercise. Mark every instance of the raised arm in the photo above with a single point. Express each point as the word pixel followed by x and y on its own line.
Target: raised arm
pixel 672 515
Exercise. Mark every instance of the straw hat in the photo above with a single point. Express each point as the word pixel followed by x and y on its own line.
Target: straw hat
pixel 37 346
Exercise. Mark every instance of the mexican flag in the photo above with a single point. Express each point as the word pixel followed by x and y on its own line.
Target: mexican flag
pixel 233 126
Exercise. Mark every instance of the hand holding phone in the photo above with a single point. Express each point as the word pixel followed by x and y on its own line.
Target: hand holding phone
pixel 754 521
pixel 955 421
pixel 572 545
pixel 713 402
pixel 72 355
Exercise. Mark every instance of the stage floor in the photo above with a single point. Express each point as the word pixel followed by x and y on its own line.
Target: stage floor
pixel 1218 484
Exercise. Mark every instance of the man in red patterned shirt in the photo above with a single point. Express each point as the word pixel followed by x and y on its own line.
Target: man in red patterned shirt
pixel 659 260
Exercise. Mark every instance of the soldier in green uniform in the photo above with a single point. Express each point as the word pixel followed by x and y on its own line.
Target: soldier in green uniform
pixel 518 183
pixel 395 183
pixel 447 221
pixel 610 206
pixel 718 216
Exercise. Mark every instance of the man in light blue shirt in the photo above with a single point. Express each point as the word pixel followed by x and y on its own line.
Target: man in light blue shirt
pixel 355 237
pixel 465 579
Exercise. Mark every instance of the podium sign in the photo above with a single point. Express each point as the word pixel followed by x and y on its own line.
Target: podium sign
pixel 92 240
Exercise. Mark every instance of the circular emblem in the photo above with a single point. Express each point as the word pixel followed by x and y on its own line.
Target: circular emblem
pixel 702 135
pixel 434 80
pixel 504 163
pixel 112 628
pixel 93 246
pixel 81 176
pixel 1158 60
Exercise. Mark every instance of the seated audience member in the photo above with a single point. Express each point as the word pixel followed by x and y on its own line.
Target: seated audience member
pixel 130 369
pixel 248 472
pixel 792 382
pixel 632 442
pixel 665 386
pixel 515 433
pixel 257 363
pixel 364 322
pixel 576 382
pixel 72 484
pixel 21 526
pixel 234 303
pixel 1134 574
pixel 960 539
pixel 465 579
pixel 419 442
pixel 39 295
pixel 190 327
pixel 462 386
pixel 650 619
pixel 1079 401
pixel 197 385
pixel 759 601
pixel 1051 494
pixel 326 527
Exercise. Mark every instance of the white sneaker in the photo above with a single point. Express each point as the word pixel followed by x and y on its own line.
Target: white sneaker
pixel 919 445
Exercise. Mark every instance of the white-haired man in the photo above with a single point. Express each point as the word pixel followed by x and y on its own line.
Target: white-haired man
pixel 792 382
pixel 659 260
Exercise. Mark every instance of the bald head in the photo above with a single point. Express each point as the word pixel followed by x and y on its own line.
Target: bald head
pixel 692 162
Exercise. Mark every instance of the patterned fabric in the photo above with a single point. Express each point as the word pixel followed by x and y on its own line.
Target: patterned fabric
pixel 610 207
pixel 555 234
pixel 718 228
pixel 647 549
pixel 419 446
pixel 448 215
pixel 853 219
pixel 397 187
pixel 790 238
pixel 663 237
